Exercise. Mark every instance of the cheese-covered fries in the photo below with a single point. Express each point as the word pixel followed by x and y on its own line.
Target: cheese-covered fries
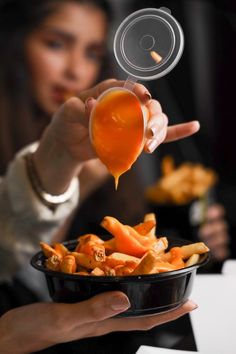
pixel 180 185
pixel 130 251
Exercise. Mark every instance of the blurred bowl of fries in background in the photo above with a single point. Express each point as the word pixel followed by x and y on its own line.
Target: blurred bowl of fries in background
pixel 155 272
pixel 181 196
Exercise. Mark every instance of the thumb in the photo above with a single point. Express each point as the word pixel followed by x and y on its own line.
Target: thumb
pixel 72 111
pixel 89 105
pixel 101 307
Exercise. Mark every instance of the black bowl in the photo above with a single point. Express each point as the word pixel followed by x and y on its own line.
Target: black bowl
pixel 148 294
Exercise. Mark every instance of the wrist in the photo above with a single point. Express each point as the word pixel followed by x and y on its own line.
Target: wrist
pixel 55 168
pixel 46 198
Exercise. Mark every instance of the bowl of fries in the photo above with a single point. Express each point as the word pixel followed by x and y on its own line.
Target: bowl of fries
pixel 181 195
pixel 155 272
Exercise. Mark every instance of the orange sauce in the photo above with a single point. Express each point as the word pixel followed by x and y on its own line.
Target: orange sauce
pixel 117 130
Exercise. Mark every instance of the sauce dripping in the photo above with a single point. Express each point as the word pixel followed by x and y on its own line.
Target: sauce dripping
pixel 117 130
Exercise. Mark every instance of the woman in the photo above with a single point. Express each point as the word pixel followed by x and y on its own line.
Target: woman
pixel 46 56
pixel 52 49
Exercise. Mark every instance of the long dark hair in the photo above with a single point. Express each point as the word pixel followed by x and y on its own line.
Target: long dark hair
pixel 20 121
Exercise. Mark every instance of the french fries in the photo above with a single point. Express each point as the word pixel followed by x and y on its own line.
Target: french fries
pixel 194 259
pixel 151 217
pixel 131 251
pixel 167 165
pixel 121 259
pixel 198 248
pixel 146 264
pixel 180 185
pixel 68 264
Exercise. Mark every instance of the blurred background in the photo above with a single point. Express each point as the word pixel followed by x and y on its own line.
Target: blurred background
pixel 200 87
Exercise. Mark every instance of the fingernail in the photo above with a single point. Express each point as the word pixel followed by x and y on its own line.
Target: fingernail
pixel 88 101
pixel 193 304
pixel 151 132
pixel 151 146
pixel 148 95
pixel 119 303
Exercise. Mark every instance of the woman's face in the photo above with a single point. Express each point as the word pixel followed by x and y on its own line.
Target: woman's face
pixel 64 54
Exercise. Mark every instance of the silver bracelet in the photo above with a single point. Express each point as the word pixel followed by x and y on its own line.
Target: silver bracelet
pixel 47 199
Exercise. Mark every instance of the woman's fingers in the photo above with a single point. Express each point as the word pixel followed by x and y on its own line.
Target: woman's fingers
pixel 214 212
pixel 209 229
pixel 215 234
pixel 181 131
pixel 97 90
pixel 157 123
pixel 105 305
pixel 157 130
pixel 86 318
pixel 142 93
pixel 138 89
pixel 98 308
pixel 153 107
pixel 89 104
pixel 72 111
pixel 156 140
pixel 148 322
pixel 221 254
pixel 76 110
pixel 174 132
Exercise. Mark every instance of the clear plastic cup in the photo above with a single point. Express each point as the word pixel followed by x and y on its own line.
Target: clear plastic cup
pixel 117 130
pixel 147 45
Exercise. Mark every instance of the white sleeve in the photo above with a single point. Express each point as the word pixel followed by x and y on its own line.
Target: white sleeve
pixel 24 220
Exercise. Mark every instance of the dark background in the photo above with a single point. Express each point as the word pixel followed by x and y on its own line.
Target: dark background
pixel 202 87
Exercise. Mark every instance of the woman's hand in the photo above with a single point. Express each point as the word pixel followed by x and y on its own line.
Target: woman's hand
pixel 66 140
pixel 214 233
pixel 52 323
pixel 157 130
